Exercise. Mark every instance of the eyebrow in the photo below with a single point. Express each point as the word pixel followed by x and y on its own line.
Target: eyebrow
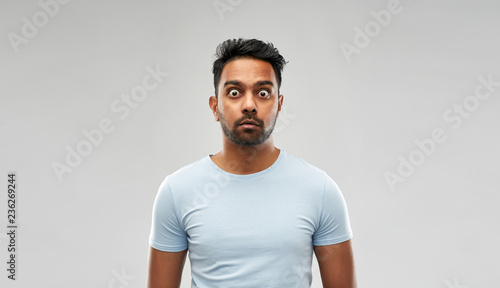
pixel 232 82
pixel 237 83
pixel 265 82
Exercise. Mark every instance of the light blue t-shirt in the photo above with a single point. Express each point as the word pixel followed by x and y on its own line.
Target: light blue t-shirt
pixel 255 230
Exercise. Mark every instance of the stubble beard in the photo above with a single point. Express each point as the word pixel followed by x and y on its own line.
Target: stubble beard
pixel 247 137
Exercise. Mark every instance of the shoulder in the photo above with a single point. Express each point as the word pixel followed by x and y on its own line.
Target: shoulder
pixel 302 167
pixel 188 174
pixel 189 169
pixel 302 171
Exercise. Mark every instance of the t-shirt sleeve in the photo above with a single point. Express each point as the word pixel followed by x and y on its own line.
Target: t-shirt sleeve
pixel 167 233
pixel 334 226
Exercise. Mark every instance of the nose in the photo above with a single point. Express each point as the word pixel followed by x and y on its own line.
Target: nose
pixel 249 104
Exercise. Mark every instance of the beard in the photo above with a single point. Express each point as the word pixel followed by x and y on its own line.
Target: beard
pixel 247 137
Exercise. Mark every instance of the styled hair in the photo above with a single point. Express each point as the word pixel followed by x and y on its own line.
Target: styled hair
pixel 233 49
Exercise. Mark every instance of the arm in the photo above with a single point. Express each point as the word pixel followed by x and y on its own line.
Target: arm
pixel 165 268
pixel 336 265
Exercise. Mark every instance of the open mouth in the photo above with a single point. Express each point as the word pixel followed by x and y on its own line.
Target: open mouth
pixel 249 123
pixel 248 126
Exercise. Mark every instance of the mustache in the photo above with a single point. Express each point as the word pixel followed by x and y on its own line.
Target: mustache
pixel 249 117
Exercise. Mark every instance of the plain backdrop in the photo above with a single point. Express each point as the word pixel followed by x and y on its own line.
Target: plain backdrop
pixel 358 113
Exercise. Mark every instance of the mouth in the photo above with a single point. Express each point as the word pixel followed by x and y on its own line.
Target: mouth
pixel 249 123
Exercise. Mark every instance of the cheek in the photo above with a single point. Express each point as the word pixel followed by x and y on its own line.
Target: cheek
pixel 221 110
pixel 225 115
pixel 272 110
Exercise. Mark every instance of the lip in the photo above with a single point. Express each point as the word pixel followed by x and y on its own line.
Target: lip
pixel 249 123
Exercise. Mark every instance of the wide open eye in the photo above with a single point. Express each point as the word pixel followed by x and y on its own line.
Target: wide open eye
pixel 264 94
pixel 234 93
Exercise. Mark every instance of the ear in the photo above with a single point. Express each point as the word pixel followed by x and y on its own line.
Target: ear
pixel 212 102
pixel 280 102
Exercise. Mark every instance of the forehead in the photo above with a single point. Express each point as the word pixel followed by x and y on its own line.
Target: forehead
pixel 248 70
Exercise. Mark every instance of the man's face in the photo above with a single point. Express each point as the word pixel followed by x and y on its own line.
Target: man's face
pixel 248 102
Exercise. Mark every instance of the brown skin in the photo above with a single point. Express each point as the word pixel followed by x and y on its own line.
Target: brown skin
pixel 165 268
pixel 336 265
pixel 248 87
pixel 252 76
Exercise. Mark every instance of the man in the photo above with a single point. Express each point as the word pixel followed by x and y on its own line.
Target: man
pixel 252 214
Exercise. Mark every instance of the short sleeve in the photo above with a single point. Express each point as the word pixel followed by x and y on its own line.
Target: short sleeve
pixel 334 226
pixel 167 233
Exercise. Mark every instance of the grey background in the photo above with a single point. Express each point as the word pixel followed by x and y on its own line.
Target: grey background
pixel 438 228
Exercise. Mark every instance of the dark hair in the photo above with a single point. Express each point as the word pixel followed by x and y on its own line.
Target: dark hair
pixel 233 49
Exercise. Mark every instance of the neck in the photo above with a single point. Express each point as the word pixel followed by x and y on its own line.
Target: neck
pixel 246 159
